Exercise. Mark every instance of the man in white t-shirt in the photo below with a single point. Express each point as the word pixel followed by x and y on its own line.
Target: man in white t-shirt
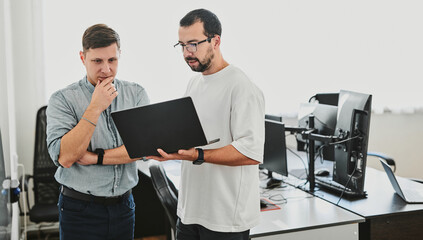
pixel 219 189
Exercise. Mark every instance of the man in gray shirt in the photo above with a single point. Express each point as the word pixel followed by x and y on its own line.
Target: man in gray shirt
pixel 94 168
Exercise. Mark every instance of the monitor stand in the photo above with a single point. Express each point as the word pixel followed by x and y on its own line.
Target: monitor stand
pixel 273 182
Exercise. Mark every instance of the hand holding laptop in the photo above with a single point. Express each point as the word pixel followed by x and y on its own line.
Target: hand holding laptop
pixel 190 154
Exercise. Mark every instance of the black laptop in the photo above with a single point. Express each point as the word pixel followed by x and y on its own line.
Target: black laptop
pixel 409 195
pixel 170 125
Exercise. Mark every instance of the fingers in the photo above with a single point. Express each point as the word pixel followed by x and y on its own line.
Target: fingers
pixel 108 87
pixel 163 153
pixel 183 152
pixel 114 93
pixel 190 154
pixel 112 90
pixel 107 81
pixel 181 155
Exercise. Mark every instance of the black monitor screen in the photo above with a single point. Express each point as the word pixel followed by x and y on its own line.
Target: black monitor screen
pixel 275 148
pixel 353 125
pixel 277 118
pixel 327 98
pixel 324 122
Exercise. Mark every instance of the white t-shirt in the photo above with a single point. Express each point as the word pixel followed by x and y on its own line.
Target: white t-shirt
pixel 225 198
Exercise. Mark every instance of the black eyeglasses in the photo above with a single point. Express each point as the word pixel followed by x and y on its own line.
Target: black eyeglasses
pixel 191 47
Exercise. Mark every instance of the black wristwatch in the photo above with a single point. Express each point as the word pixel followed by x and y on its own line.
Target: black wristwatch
pixel 100 153
pixel 200 158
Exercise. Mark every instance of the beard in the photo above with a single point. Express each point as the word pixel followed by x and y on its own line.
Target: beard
pixel 202 65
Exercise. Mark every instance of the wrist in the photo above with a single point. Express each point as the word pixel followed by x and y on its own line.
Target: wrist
pixel 100 155
pixel 93 112
pixel 200 157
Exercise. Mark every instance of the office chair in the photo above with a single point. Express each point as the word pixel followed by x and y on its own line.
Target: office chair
pixel 45 188
pixel 389 160
pixel 166 192
pixel 150 216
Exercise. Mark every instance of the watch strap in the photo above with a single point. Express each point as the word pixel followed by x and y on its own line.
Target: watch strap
pixel 200 158
pixel 100 153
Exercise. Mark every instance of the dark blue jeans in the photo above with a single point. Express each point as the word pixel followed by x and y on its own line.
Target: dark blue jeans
pixel 88 220
pixel 198 232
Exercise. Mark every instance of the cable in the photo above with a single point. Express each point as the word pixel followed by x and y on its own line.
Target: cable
pixel 345 140
pixel 346 184
pixel 24 198
pixel 302 160
pixel 278 201
pixel 319 153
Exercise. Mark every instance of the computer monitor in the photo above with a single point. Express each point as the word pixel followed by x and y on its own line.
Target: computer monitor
pixel 324 123
pixel 326 98
pixel 275 151
pixel 353 123
pixel 277 118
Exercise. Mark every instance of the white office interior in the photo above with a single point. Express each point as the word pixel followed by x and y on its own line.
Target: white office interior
pixel 290 49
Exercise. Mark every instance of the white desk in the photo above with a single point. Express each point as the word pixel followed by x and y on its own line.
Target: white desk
pixel 306 217
pixel 301 217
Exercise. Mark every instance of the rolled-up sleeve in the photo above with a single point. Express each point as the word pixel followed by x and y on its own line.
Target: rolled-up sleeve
pixel 60 120
pixel 247 121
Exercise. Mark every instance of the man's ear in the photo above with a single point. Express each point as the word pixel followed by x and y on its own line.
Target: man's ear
pixel 82 56
pixel 216 41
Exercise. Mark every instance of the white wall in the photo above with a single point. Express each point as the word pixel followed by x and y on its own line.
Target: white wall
pixel 28 78
pixel 7 104
pixel 4 108
pixel 399 136
pixel 291 49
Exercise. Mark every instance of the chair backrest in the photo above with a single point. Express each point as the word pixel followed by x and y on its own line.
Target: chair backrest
pixel 46 188
pixel 166 192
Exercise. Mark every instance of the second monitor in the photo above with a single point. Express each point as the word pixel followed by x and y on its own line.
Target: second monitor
pixel 275 151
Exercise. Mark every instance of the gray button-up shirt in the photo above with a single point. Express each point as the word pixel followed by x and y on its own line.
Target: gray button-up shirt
pixel 65 110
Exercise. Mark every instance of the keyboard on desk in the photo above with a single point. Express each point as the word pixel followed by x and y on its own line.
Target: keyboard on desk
pixel 328 183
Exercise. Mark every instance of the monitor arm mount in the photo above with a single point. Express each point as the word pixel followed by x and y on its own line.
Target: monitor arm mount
pixel 310 134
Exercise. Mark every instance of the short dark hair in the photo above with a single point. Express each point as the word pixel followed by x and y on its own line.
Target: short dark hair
pixel 210 21
pixel 99 35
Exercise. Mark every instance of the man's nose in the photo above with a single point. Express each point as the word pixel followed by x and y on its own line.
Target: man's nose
pixel 105 68
pixel 187 53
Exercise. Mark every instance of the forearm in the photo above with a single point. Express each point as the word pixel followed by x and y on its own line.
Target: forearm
pixel 227 155
pixel 74 144
pixel 111 157
pixel 117 155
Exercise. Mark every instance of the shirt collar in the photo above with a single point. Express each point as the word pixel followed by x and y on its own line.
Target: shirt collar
pixel 89 86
